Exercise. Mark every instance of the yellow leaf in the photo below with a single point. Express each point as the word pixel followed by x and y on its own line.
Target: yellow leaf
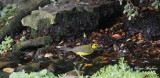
pixel 8 70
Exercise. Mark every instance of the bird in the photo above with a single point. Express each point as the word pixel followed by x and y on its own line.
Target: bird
pixel 82 50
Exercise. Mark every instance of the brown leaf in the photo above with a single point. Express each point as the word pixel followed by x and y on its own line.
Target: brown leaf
pixel 74 73
pixel 3 63
pixel 117 36
pixel 88 64
pixel 106 53
pixel 8 70
pixel 10 17
pixel 98 34
pixel 104 62
pixel 70 56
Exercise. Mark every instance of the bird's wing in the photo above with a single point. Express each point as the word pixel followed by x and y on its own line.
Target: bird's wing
pixel 84 49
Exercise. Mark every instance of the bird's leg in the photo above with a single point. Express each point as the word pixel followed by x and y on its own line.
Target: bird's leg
pixel 84 58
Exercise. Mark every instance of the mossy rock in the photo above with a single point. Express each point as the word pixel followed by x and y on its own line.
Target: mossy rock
pixel 68 19
pixel 33 20
pixel 36 42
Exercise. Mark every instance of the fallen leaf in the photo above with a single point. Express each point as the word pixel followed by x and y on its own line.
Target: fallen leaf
pixel 48 55
pixel 91 37
pixel 74 73
pixel 84 35
pixel 10 17
pixel 8 70
pixel 17 40
pixel 104 62
pixel 70 57
pixel 106 54
pixel 101 30
pixel 88 65
pixel 117 36
pixel 3 63
pixel 115 53
pixel 119 23
pixel 98 34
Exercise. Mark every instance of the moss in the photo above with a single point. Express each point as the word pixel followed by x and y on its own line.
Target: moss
pixel 43 26
pixel 36 42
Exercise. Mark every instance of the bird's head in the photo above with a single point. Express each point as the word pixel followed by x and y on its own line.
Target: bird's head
pixel 94 46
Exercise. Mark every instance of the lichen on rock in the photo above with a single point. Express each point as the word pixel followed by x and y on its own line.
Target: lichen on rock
pixel 33 19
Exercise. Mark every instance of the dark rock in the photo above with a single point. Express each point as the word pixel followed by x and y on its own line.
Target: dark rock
pixel 40 53
pixel 71 19
pixel 23 8
pixel 5 2
pixel 148 26
pixel 37 42
pixel 80 19
pixel 1 6
pixel 4 75
pixel 75 73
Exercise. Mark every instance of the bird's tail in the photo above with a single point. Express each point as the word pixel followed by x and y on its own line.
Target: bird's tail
pixel 65 48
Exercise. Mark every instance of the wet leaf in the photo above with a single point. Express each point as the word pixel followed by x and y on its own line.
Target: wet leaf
pixel 115 53
pixel 117 36
pixel 103 61
pixel 75 73
pixel 91 37
pixel 98 34
pixel 70 57
pixel 101 30
pixel 88 64
pixel 100 58
pixel 17 40
pixel 84 35
pixel 54 60
pixel 10 17
pixel 106 30
pixel 106 54
pixel 8 70
pixel 59 46
pixel 48 55
pixel 119 23
pixel 96 41
pixel 4 63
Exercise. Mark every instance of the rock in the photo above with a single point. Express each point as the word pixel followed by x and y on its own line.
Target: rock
pixel 5 2
pixel 23 8
pixel 36 16
pixel 149 26
pixel 69 19
pixel 40 53
pixel 75 73
pixel 37 42
pixel 4 74
pixel 1 6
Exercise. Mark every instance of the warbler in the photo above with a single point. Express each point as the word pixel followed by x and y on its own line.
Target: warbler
pixel 82 50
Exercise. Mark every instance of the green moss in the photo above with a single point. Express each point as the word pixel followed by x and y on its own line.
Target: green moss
pixel 62 32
